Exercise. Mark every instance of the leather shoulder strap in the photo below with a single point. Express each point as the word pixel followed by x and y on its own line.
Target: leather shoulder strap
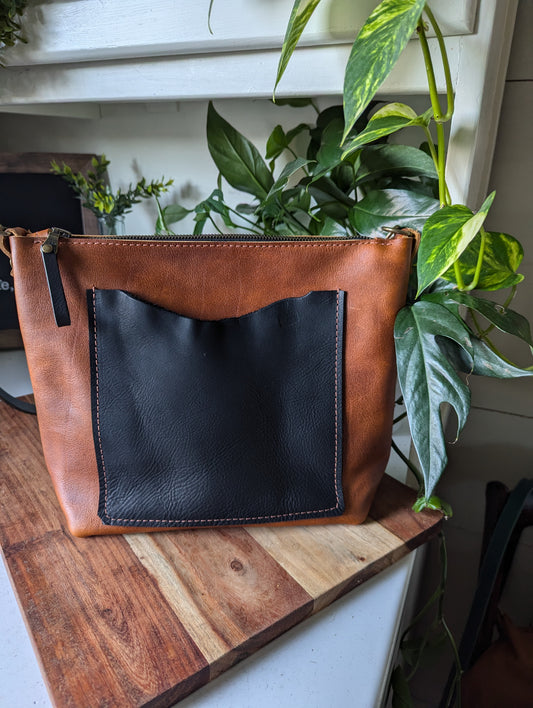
pixel 22 406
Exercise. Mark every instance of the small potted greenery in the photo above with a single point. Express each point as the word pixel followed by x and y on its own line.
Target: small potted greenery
pixel 96 195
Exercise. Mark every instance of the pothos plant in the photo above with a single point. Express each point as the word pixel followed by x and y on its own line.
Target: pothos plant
pixel 11 12
pixel 349 181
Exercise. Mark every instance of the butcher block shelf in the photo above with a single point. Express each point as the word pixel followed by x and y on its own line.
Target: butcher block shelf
pixel 145 619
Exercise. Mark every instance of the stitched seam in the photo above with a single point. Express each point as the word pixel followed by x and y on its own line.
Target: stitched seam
pixel 336 399
pixel 97 391
pixel 136 244
pixel 200 521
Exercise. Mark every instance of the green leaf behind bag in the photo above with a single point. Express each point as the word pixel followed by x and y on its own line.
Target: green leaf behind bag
pixel 445 236
pixel 501 259
pixel 236 157
pixel 428 379
pixel 391 207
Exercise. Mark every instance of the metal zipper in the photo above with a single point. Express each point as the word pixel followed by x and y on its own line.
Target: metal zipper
pixel 54 234
pixel 49 249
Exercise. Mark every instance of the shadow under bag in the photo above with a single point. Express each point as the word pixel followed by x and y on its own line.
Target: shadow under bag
pixel 190 382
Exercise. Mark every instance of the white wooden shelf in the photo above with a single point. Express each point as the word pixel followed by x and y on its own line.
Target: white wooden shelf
pixel 81 51
pixel 63 31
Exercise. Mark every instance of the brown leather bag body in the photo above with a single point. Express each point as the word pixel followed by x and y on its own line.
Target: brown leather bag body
pixel 202 281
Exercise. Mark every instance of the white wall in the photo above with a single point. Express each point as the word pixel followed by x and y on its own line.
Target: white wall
pixel 153 140
pixel 497 441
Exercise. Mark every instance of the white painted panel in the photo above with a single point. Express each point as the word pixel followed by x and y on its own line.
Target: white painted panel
pixel 478 96
pixel 312 71
pixel 81 30
pixel 64 110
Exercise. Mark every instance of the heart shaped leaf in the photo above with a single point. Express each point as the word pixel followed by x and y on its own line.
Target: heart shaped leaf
pixel 501 259
pixel 446 234
pixel 391 207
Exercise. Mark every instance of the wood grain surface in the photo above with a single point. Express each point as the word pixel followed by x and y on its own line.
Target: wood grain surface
pixel 145 619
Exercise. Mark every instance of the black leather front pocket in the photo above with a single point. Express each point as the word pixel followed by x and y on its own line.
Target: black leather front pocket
pixel 204 423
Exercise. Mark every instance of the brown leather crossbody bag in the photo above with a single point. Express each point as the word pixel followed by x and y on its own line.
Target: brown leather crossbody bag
pixel 189 382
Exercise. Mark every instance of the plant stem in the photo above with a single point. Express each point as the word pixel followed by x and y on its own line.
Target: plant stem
pixel 295 221
pixel 441 165
pixel 477 272
pixel 399 418
pixel 445 65
pixel 414 469
pixel 458 276
pixel 432 83
pixel 248 221
pixel 431 146
pixel 437 111
pixel 482 335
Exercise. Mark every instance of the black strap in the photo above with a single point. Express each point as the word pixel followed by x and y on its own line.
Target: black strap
pixel 17 403
pixel 488 572
pixel 55 287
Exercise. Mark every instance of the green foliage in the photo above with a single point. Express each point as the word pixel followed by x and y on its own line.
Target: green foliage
pixel 428 379
pixel 97 195
pixel 314 190
pixel 501 259
pixel 11 12
pixel 380 42
pixel 388 207
pixel 446 234
pixel 300 15
pixel 236 158
pixel 439 338
pixel 435 346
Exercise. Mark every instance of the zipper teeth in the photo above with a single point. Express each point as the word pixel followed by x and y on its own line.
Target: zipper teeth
pixel 220 237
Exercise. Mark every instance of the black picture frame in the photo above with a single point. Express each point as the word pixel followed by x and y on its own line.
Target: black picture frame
pixel 32 197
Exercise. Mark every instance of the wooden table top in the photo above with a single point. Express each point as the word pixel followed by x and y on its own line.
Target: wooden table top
pixel 145 619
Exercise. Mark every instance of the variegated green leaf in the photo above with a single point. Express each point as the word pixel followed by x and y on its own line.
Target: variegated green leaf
pixel 385 122
pixel 501 259
pixel 427 379
pixel 505 319
pixel 391 207
pixel 394 109
pixel 300 16
pixel 445 236
pixel 376 49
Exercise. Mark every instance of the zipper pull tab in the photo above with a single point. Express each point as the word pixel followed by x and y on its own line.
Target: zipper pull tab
pixel 51 243
pixel 53 276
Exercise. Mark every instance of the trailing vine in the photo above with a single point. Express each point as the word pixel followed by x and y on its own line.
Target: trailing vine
pixel 11 12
